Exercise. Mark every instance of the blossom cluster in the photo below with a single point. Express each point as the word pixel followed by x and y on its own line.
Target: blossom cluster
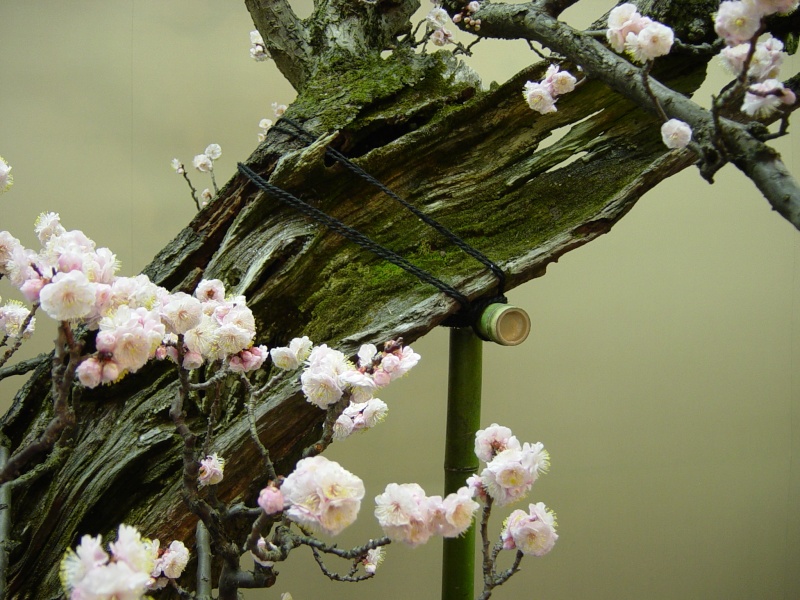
pixel 739 23
pixel 510 472
pixel 511 468
pixel 135 319
pixel 641 37
pixel 437 21
pixel 328 376
pixel 321 494
pixel 132 566
pixel 408 515
pixel 541 96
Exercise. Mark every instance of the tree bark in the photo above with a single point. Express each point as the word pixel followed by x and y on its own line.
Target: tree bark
pixel 522 188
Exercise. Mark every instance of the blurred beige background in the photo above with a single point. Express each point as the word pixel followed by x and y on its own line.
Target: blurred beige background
pixel 660 374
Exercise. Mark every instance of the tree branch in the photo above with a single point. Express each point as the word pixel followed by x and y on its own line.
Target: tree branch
pixel 757 160
pixel 285 37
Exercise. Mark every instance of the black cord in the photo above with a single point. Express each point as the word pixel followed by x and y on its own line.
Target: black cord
pixel 354 168
pixel 353 235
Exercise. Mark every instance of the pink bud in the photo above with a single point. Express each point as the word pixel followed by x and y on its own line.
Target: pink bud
pixel 271 500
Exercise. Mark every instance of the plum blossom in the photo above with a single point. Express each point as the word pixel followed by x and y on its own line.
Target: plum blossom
pixel 512 472
pixel 181 312
pixel 169 563
pixel 651 42
pixel 90 573
pixel 405 513
pixel 360 417
pixel 248 359
pixel 258 50
pixel 441 37
pixel 270 499
pixel 203 163
pixel 12 318
pixel 209 290
pixel 278 109
pixel 494 439
pixel 373 559
pixel 177 166
pixel 264 125
pixel 6 178
pixel 68 296
pixel 623 20
pixel 765 63
pixel 437 18
pixel 454 514
pixel 762 99
pixel 322 495
pixel 676 134
pixel 559 82
pixel 213 151
pixel 292 356
pixel 211 470
pixel 531 533
pixel 737 22
pixel 539 98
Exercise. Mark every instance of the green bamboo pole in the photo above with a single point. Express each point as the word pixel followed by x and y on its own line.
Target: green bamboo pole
pixel 463 420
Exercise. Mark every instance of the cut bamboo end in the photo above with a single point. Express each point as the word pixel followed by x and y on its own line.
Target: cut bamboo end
pixel 504 324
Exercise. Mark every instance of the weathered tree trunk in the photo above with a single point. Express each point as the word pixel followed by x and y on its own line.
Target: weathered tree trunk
pixel 482 163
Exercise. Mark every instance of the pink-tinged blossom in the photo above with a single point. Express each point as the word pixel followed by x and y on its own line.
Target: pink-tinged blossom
pixel 90 372
pixel 559 82
pixel 270 499
pixel 68 296
pixel 622 20
pixel 132 549
pixel 511 474
pixel 532 533
pixel 455 513
pixel 291 357
pixel 359 417
pixel 211 470
pixel 441 37
pixel 172 561
pixel 359 384
pixel 181 312
pixel 398 363
pixel 539 98
pixel 737 22
pixel 191 360
pixel 762 99
pixel 476 487
pixel 651 42
pixel 210 290
pixel 249 359
pixel 203 163
pixel 322 495
pixel 202 339
pixel 89 573
pixel 494 439
pixel 405 513
pixel 676 134
pixel 765 64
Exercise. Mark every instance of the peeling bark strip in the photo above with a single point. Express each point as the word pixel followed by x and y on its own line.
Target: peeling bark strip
pixel 481 163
